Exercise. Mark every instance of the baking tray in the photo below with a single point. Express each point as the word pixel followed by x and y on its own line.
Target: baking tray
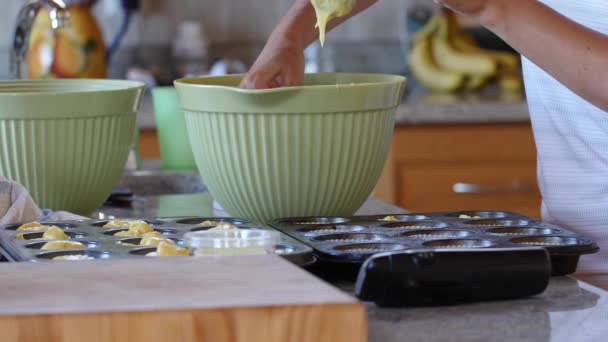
pixel 353 239
pixel 101 244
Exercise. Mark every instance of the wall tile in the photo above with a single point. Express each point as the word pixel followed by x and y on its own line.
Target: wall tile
pixel 231 20
pixel 8 16
pixel 380 22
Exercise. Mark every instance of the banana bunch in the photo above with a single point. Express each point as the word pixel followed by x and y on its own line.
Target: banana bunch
pixel 444 58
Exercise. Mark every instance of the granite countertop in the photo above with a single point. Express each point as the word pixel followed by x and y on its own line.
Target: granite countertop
pixel 202 204
pixel 419 107
pixel 569 310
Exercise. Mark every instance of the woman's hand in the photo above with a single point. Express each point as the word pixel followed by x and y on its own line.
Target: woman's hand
pixel 281 64
pixel 573 54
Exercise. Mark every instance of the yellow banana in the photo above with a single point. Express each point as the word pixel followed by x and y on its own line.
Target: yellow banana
pixel 426 71
pixel 506 61
pixel 451 59
pixel 476 82
pixel 464 42
pixel 510 83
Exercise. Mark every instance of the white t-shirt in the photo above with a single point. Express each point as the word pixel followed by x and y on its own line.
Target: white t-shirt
pixel 572 142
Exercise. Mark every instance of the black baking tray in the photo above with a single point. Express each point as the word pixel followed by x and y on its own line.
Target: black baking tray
pixel 351 240
pixel 102 244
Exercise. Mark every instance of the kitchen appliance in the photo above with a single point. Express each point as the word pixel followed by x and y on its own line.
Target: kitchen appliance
pixel 61 39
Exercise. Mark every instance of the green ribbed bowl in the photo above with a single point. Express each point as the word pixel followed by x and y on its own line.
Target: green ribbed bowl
pixel 67 141
pixel 313 150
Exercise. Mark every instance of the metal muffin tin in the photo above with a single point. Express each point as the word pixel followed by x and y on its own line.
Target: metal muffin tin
pixel 354 239
pixel 101 244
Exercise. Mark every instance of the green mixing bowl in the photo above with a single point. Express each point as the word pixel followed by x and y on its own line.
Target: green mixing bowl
pixel 313 150
pixel 67 141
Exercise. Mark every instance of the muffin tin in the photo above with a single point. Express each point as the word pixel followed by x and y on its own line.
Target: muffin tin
pixel 101 244
pixel 354 239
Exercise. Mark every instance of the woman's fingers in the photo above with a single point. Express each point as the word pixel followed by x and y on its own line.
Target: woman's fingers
pixel 258 80
pixel 293 76
pixel 281 66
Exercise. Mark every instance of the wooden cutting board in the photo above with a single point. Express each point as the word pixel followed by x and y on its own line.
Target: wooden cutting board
pixel 261 298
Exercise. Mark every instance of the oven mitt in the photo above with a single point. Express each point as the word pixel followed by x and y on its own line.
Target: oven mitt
pixel 16 206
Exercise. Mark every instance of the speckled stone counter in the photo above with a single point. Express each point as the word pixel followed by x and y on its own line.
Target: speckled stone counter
pixel 569 310
pixel 182 193
pixel 202 204
pixel 462 108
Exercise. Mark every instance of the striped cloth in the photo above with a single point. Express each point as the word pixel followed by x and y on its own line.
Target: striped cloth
pixel 572 142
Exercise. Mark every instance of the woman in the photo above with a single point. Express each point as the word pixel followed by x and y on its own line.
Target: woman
pixel 565 49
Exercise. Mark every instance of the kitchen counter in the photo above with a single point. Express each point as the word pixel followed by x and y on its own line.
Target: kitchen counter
pixel 462 108
pixel 568 310
pixel 158 193
pixel 202 204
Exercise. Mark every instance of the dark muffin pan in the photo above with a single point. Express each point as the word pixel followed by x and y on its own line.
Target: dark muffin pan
pixel 354 239
pixel 100 242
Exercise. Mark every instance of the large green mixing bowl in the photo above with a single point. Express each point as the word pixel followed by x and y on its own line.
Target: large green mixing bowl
pixel 67 141
pixel 313 150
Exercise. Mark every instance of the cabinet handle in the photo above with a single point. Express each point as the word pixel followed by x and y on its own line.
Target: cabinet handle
pixel 469 188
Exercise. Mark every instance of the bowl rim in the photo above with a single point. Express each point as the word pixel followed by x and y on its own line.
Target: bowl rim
pixel 113 85
pixel 333 93
pixel 71 98
pixel 389 79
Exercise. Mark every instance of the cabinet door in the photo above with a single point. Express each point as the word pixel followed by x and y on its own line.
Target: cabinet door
pixel 469 186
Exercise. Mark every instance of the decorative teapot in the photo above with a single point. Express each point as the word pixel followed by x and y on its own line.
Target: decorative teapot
pixel 61 39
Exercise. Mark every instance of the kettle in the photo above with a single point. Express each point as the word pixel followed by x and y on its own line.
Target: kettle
pixel 61 39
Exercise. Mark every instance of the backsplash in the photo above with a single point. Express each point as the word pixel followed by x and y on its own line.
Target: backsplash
pixel 236 28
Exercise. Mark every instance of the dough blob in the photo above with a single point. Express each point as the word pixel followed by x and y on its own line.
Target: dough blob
pixel 329 9
pixel 167 249
pixel 136 229
pixel 62 245
pixel 55 233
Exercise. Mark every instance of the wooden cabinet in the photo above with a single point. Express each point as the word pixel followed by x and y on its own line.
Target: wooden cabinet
pixel 462 167
pixel 147 144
